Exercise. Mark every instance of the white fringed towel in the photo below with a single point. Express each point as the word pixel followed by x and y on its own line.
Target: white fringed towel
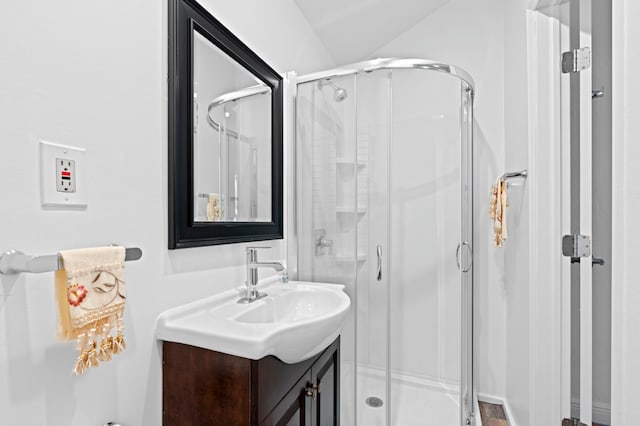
pixel 497 211
pixel 90 294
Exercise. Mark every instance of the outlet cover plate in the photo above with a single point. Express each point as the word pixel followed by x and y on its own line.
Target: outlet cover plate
pixel 50 153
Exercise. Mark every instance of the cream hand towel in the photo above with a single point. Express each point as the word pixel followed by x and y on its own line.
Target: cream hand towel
pixel 213 208
pixel 504 234
pixel 90 293
pixel 493 203
pixel 497 211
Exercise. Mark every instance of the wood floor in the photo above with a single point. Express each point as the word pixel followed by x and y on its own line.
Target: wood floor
pixel 492 414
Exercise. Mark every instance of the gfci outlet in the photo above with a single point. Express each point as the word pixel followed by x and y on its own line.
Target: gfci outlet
pixel 63 175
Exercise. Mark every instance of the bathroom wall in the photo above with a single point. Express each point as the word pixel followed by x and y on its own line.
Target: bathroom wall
pixel 625 293
pixel 94 75
pixel 470 34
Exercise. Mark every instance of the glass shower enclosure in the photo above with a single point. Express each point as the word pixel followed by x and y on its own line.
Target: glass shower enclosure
pixel 384 206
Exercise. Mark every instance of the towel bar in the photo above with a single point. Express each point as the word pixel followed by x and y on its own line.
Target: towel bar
pixel 14 262
pixel 512 175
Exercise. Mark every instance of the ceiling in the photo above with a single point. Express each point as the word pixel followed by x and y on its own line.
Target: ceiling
pixel 352 30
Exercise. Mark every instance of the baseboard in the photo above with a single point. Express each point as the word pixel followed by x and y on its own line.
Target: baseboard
pixel 601 412
pixel 508 413
pixel 501 401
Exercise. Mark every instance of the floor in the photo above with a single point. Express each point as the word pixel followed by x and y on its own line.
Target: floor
pixel 492 414
pixel 414 402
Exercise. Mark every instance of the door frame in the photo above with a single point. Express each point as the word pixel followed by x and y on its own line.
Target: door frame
pixel 549 272
pixel 550 212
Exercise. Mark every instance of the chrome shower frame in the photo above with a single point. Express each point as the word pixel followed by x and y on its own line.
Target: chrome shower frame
pixel 469 412
pixel 389 63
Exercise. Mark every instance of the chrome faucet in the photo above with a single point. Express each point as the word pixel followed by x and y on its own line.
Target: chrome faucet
pixel 252 274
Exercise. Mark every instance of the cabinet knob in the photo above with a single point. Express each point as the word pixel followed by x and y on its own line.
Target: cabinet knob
pixel 311 391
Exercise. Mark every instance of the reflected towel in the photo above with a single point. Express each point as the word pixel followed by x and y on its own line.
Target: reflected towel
pixel 213 207
pixel 497 211
pixel 90 294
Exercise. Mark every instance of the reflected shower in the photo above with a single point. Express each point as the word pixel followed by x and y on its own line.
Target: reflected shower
pixel 339 94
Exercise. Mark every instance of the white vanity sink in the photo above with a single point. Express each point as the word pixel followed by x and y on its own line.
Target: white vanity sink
pixel 293 322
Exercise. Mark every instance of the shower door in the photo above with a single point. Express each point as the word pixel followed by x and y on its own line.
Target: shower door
pixel 383 189
pixel 429 281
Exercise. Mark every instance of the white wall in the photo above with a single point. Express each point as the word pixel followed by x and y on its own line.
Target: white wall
pixel 470 34
pixel 94 75
pixel 625 339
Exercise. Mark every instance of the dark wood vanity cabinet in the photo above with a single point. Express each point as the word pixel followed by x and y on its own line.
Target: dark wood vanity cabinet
pixel 203 387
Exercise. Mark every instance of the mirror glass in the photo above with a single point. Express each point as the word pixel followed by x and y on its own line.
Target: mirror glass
pixel 231 139
pixel 225 125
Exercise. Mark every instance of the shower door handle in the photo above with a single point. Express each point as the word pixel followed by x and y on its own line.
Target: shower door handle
pixel 379 274
pixel 467 268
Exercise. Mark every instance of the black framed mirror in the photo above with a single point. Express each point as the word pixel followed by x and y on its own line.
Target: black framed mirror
pixel 225 135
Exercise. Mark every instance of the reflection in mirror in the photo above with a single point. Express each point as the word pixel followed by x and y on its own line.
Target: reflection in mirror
pixel 231 139
pixel 225 123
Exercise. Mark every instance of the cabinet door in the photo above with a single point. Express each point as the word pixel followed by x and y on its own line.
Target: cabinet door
pixel 325 375
pixel 294 409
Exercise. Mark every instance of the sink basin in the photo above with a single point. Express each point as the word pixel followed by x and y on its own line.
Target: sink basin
pixel 296 305
pixel 295 321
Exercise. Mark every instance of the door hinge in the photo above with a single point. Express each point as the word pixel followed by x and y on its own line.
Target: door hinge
pixel 576 245
pixel 576 60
